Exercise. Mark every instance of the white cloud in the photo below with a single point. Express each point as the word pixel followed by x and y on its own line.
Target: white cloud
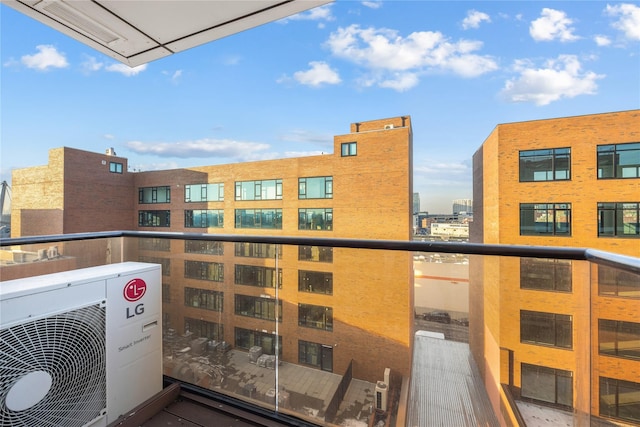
pixel 319 74
pixel 629 19
pixel 109 136
pixel 91 64
pixel 552 25
pixel 397 61
pixel 322 13
pixel 125 69
pixel 299 135
pixel 559 78
pixel 602 40
pixel 474 18
pixel 46 58
pixel 373 4
pixel 206 147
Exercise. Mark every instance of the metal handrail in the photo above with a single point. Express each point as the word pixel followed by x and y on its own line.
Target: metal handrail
pixel 622 262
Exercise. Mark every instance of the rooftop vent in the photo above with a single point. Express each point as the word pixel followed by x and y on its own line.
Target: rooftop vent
pixel 111 152
pixel 388 127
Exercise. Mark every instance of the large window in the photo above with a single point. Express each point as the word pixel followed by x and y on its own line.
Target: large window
pixel 315 253
pixel 154 244
pixel 315 219
pixel 619 161
pixel 320 187
pixel 166 293
pixel 247 338
pixel 258 250
pixel 165 263
pixel 619 219
pixel 154 194
pixel 204 218
pixel 315 281
pixel 545 274
pixel 315 354
pixel 204 298
pixel 259 218
pixel 213 271
pixel 620 399
pixel 546 329
pixel 202 328
pixel 154 218
pixel 258 307
pixel 545 219
pixel 203 247
pixel 618 338
pixel 547 384
pixel 618 283
pixel 545 165
pixel 348 149
pixel 204 192
pixel 315 316
pixel 268 189
pixel 253 275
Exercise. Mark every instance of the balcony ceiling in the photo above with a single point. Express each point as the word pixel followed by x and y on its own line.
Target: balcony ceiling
pixel 135 32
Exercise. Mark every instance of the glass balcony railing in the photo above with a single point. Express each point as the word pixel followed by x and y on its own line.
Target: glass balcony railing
pixel 358 333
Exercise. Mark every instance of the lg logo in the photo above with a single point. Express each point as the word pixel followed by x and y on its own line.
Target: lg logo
pixel 133 291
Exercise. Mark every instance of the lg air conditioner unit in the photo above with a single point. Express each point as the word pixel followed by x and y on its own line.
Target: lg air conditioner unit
pixel 80 348
pixel 382 390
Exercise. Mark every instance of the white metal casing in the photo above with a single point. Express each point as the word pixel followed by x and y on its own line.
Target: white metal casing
pixel 132 295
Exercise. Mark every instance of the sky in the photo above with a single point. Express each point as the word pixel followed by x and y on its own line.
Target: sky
pixel 284 89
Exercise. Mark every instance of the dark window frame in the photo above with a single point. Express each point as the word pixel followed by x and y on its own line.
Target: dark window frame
pixel 154 195
pixel 206 247
pixel 257 338
pixel 257 307
pixel 315 317
pixel 315 253
pixel 545 274
pixel 613 282
pixel 609 158
pixel 204 218
pixel 349 149
pixel 555 157
pixel 257 250
pixel 204 328
pixel 611 219
pixel 537 392
pixel 156 218
pixel 204 270
pixel 197 193
pixel 258 187
pixel 116 167
pixel 327 187
pixel 612 336
pixel 316 219
pixel 206 299
pixel 317 282
pixel 559 225
pixel 270 219
pixel 610 389
pixel 257 275
pixel 546 329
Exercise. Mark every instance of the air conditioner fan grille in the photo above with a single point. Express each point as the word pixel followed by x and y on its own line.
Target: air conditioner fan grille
pixel 70 349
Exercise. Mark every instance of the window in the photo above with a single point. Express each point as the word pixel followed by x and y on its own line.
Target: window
pixel 164 262
pixel 348 149
pixel 315 354
pixel 202 328
pixel 166 293
pixel 269 189
pixel 315 188
pixel 315 253
pixel 258 307
pixel 154 218
pixel 545 274
pixel 154 194
pixel 315 281
pixel 618 338
pixel 213 271
pixel 204 218
pixel 619 161
pixel 247 338
pixel 545 219
pixel 619 219
pixel 620 399
pixel 203 247
pixel 154 244
pixel 618 283
pixel 545 165
pixel 204 298
pixel 315 316
pixel 258 250
pixel 204 193
pixel 546 329
pixel 262 277
pixel 547 384
pixel 259 218
pixel 315 219
pixel 115 167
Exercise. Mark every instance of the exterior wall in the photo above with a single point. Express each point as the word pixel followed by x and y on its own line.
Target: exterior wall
pixel 497 220
pixel 372 297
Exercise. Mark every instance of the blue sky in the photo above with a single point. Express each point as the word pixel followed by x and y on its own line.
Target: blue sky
pixel 284 89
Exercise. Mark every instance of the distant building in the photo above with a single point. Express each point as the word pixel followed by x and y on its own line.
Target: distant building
pixel 226 291
pixel 416 203
pixel 564 182
pixel 463 207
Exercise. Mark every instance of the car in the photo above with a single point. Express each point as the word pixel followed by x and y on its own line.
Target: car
pixel 437 316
